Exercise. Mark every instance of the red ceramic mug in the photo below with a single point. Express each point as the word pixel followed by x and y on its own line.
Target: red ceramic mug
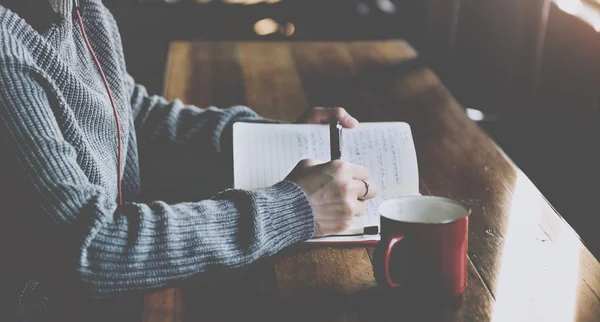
pixel 423 245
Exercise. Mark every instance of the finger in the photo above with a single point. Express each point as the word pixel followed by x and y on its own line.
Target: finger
pixel 358 171
pixel 319 115
pixel 365 189
pixel 361 208
pixel 346 120
pixel 323 115
pixel 302 164
pixel 310 162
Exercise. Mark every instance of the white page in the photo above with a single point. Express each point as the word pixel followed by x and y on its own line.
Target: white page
pixel 388 151
pixel 265 153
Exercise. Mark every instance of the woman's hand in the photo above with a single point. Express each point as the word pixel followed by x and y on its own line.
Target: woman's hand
pixel 322 115
pixel 337 191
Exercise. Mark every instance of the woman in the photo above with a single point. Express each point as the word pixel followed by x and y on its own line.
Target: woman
pixel 107 190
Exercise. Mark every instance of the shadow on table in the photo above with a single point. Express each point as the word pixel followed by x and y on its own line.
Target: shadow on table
pixel 230 303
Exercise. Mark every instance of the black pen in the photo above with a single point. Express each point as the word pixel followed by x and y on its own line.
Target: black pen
pixel 369 230
pixel 335 138
pixel 335 142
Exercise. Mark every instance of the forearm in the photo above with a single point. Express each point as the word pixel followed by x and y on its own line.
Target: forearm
pixel 185 151
pixel 151 245
pixel 103 247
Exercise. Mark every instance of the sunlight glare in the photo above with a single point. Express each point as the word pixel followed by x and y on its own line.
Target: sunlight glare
pixel 475 115
pixel 265 27
pixel 288 29
pixel 585 12
pixel 538 277
pixel 386 6
pixel 569 6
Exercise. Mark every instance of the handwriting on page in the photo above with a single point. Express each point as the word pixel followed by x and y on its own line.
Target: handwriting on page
pixel 380 149
pixel 266 155
pixel 387 150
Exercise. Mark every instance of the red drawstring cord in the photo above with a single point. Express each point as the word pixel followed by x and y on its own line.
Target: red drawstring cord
pixel 112 102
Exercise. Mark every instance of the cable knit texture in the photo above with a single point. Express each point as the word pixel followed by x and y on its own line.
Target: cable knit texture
pixel 63 233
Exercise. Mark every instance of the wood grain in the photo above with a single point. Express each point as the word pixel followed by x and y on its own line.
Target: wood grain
pixel 476 172
pixel 420 309
pixel 304 278
pixel 525 261
pixel 205 73
pixel 336 83
pixel 182 62
pixel 324 279
pixel 227 82
pixel 273 88
pixel 163 306
pixel 239 294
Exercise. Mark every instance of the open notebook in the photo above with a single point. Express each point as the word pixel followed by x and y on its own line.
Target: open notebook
pixel 264 154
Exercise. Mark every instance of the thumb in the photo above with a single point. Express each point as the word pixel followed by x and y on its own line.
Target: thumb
pixel 297 171
pixel 310 163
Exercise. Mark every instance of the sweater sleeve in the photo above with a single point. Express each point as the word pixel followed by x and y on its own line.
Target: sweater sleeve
pixel 185 151
pixel 110 248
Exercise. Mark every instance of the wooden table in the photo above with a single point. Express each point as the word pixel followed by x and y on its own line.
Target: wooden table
pixel 525 262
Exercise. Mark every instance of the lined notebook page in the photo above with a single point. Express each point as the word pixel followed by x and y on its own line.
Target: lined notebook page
pixel 388 151
pixel 265 153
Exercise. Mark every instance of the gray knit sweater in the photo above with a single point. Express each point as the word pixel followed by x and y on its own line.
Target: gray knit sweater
pixel 63 233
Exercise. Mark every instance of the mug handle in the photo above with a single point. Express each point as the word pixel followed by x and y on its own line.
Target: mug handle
pixel 392 242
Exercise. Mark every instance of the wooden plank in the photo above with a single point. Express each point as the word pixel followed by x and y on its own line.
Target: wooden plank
pixel 328 275
pixel 457 160
pixel 204 74
pixel 305 276
pixel 400 305
pixel 321 66
pixel 378 65
pixel 520 250
pixel 273 88
pixel 161 306
pixel 329 79
pixel 536 262
pixel 248 292
pixel 476 304
pixel 323 272
pixel 187 60
pixel 319 283
pixel 227 80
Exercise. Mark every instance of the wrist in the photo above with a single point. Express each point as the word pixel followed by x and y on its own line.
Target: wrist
pixel 291 213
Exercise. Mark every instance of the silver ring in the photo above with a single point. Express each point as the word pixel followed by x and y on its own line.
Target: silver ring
pixel 366 186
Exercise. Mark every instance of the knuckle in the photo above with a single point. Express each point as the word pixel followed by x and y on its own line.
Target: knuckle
pixel 306 162
pixel 347 210
pixel 338 165
pixel 343 188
